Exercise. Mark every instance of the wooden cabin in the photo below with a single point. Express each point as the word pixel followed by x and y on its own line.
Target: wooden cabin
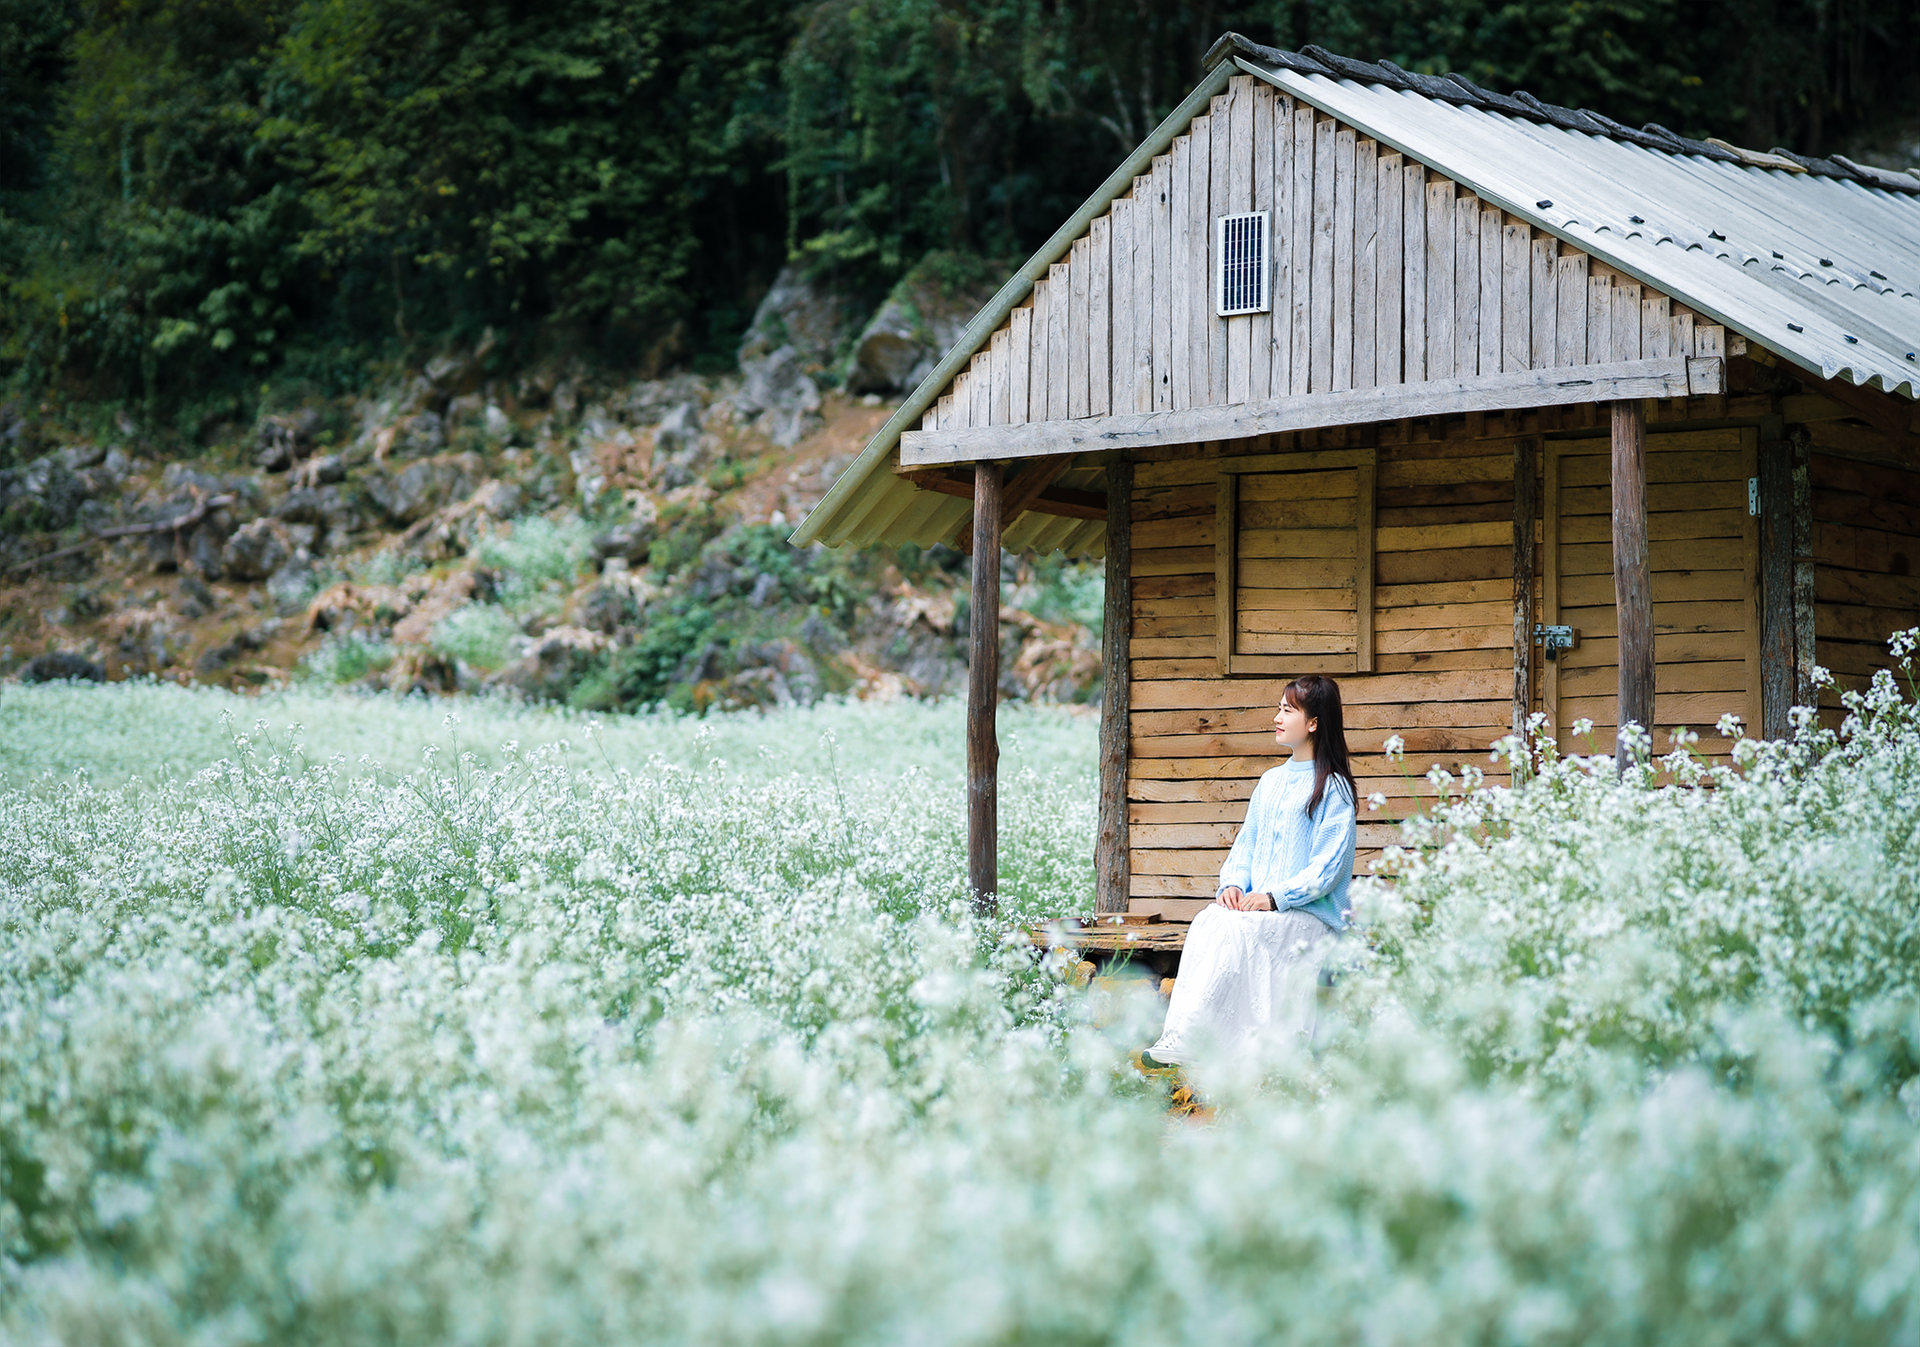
pixel 1485 407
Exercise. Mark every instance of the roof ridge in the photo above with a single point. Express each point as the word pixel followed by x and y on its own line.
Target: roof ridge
pixel 1461 91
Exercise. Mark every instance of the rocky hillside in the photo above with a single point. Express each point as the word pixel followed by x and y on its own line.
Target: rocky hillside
pixel 551 533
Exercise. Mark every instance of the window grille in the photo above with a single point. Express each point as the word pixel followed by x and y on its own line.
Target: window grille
pixel 1241 264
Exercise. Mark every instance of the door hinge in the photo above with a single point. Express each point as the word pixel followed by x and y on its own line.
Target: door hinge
pixel 1753 496
pixel 1552 640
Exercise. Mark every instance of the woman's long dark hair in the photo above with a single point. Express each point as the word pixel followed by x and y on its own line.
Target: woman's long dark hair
pixel 1319 697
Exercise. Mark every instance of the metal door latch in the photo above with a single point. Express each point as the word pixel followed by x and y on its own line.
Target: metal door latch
pixel 1555 639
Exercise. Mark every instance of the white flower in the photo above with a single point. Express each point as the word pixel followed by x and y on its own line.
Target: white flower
pixel 1395 747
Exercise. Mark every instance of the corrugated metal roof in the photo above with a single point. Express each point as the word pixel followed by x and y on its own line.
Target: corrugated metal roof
pixel 1817 260
pixel 1820 265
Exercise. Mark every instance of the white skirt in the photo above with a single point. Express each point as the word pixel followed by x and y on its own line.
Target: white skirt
pixel 1244 976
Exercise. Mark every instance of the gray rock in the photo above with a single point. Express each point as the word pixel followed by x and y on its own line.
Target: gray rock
pixel 420 488
pixel 330 506
pixel 803 313
pixel 282 440
pixel 424 433
pixel 206 549
pixel 292 586
pixel 77 456
pixel 919 322
pixel 678 431
pixel 62 665
pixel 501 500
pixel 257 550
pixel 630 540
pixel 781 394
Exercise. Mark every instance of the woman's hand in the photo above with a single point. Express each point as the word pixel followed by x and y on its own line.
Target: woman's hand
pixel 1232 896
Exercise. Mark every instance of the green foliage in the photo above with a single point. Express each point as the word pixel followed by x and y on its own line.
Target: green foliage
pixel 537 553
pixel 479 635
pixel 201 197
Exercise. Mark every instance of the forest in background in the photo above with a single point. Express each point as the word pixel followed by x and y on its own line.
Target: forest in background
pixel 213 209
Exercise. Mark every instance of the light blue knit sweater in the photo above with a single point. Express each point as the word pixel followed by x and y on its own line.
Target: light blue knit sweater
pixel 1304 863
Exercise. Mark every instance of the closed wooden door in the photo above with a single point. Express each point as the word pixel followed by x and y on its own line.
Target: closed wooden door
pixel 1704 548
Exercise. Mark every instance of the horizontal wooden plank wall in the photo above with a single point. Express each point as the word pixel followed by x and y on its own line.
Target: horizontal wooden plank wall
pixel 1704 549
pixel 1866 546
pixel 1443 620
pixel 1383 272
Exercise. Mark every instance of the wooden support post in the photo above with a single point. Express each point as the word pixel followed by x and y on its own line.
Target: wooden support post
pixel 1112 862
pixel 983 694
pixel 1632 578
pixel 1525 501
pixel 1804 655
pixel 1777 649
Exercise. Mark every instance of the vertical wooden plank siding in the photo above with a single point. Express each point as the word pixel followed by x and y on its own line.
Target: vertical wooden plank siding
pixel 1440 287
pixel 1342 289
pixel 1366 231
pixel 1285 207
pixel 1000 358
pixel 1019 362
pixel 1188 262
pixel 1037 361
pixel 1237 152
pixel 1626 320
pixel 1516 306
pixel 1320 321
pixel 1144 292
pixel 1388 273
pixel 1162 313
pixel 1226 510
pixel 1059 357
pixel 1545 303
pixel 1656 326
pixel 1220 201
pixel 1466 286
pixel 1260 326
pixel 979 388
pixel 1120 329
pixel 1209 338
pixel 1599 315
pixel 1079 343
pixel 1493 287
pixel 1570 275
pixel 1301 324
pixel 1099 317
pixel 1413 250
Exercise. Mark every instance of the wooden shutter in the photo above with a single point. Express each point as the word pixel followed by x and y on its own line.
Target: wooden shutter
pixel 1294 563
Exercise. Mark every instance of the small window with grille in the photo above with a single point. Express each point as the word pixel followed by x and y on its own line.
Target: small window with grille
pixel 1240 264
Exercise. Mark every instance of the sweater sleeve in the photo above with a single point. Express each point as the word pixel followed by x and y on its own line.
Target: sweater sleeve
pixel 1329 850
pixel 1238 869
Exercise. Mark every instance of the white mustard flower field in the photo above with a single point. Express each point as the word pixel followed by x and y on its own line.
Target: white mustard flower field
pixel 525 1030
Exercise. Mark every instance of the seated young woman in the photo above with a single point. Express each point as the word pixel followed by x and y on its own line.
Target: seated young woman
pixel 1252 960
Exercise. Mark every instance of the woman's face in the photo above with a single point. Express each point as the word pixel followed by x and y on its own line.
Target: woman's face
pixel 1291 728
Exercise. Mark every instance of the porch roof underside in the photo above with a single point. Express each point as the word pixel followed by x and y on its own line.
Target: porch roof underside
pixel 1822 270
